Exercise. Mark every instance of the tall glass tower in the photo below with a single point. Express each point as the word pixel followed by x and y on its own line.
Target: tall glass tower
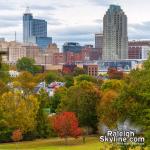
pixel 115 35
pixel 35 30
pixel 27 26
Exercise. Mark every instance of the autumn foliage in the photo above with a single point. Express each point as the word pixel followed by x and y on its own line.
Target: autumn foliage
pixel 66 125
pixel 17 135
pixel 113 73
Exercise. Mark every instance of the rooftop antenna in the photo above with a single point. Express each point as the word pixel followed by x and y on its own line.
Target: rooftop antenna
pixel 27 10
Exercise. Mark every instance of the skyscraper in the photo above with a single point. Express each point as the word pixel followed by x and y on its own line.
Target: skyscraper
pixel 98 41
pixel 35 30
pixel 99 44
pixel 115 40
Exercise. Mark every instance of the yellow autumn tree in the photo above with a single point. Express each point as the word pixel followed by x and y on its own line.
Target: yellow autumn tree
pixel 18 112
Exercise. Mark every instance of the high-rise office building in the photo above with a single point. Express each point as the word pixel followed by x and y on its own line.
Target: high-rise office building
pixel 35 31
pixel 98 40
pixel 115 39
pixel 72 47
pixel 99 44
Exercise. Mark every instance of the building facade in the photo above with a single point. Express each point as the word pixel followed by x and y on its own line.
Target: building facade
pixel 72 47
pixel 91 70
pixel 139 49
pixel 16 52
pixel 4 50
pixel 115 39
pixel 58 58
pixel 99 44
pixel 35 31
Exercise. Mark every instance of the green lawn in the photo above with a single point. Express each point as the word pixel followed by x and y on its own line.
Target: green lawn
pixel 92 143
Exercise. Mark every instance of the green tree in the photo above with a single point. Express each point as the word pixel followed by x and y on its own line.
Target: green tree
pixel 27 64
pixel 56 99
pixel 78 71
pixel 82 99
pixel 43 129
pixel 85 77
pixel 69 81
pixel 113 84
pixel 134 101
pixel 4 73
pixel 53 76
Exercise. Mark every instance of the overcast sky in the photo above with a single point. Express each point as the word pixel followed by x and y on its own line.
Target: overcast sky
pixel 73 20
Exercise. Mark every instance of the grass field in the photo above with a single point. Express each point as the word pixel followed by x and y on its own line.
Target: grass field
pixel 92 143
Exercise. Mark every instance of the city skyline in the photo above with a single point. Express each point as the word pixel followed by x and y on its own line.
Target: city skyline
pixel 65 24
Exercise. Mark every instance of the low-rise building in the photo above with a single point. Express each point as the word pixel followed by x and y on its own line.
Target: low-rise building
pixel 91 69
pixel 138 49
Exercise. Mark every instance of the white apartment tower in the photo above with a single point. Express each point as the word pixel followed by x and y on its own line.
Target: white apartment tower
pixel 115 35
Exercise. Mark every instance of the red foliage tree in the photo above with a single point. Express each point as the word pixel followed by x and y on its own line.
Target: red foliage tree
pixel 66 125
pixel 113 73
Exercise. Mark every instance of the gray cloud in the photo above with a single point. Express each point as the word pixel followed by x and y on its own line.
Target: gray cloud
pixel 81 34
pixel 99 21
pixel 7 24
pixel 10 18
pixel 10 21
pixel 42 7
pixel 77 30
pixel 141 26
pixel 52 20
pixel 5 6
pixel 139 31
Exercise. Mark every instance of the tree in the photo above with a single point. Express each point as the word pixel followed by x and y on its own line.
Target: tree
pixel 113 73
pixel 108 118
pixel 27 64
pixel 69 81
pixel 4 73
pixel 78 71
pixel 134 101
pixel 53 76
pixel 66 125
pixel 82 99
pixel 113 84
pixel 18 112
pixel 111 90
pixel 26 82
pixel 42 128
pixel 3 87
pixel 85 77
pixel 16 136
pixel 56 99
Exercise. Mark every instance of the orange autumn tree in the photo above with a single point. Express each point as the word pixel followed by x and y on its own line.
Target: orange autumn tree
pixel 66 125
pixel 17 135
